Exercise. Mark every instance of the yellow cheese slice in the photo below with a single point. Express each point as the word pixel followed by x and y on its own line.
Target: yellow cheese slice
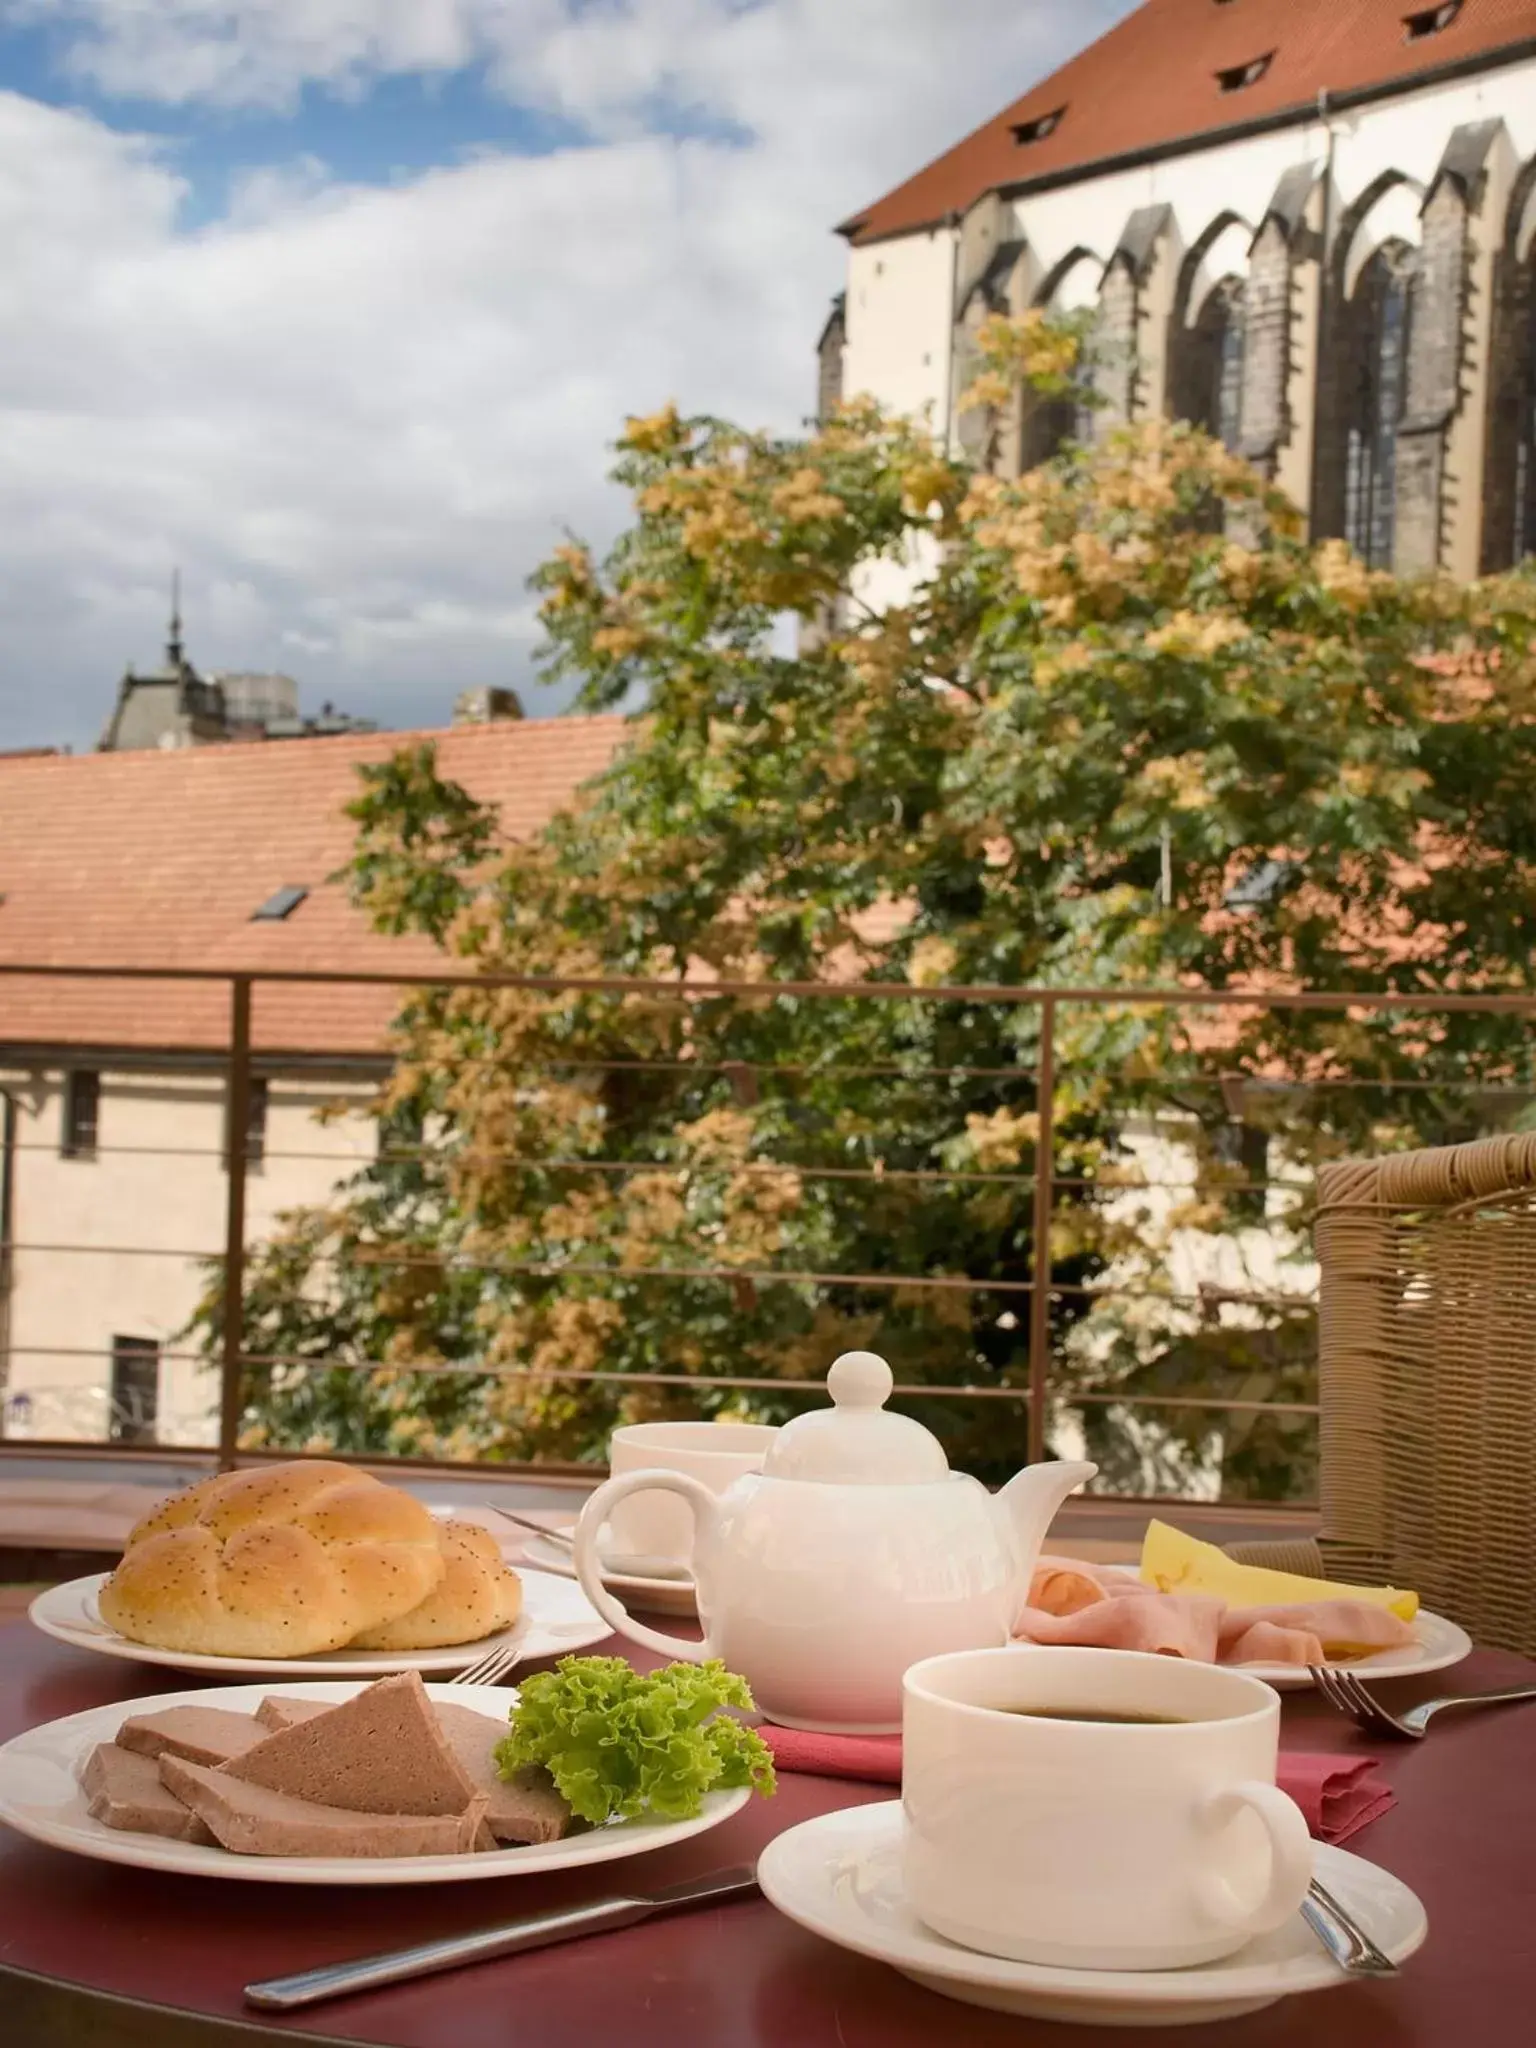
pixel 1176 1563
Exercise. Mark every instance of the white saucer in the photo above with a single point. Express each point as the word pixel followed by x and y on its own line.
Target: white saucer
pixel 40 1796
pixel 840 1876
pixel 557 1620
pixel 647 1596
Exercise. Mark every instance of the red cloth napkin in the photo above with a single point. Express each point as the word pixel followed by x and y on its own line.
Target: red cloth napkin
pixel 1337 1795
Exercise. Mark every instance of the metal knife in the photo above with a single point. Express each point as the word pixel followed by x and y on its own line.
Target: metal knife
pixel 512 1938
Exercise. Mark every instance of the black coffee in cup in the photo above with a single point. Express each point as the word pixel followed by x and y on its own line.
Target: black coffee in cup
pixel 1111 1715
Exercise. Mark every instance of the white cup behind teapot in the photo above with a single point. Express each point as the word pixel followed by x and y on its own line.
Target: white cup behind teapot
pixel 654 1526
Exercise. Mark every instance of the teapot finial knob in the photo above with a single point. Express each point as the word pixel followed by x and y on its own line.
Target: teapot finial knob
pixel 860 1379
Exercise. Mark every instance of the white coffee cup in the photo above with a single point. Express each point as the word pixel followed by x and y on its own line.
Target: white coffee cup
pixel 659 1525
pixel 1096 1845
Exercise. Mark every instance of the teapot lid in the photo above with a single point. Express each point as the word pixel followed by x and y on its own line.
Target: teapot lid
pixel 856 1442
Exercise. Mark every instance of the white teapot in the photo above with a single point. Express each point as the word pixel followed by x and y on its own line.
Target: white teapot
pixel 852 1554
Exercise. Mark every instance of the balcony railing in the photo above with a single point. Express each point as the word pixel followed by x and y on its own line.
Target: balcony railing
pixel 1043 1391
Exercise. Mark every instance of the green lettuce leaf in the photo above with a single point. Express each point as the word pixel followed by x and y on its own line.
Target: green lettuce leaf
pixel 619 1743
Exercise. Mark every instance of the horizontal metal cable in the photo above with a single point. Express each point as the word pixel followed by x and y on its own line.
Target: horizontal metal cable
pixel 424 1155
pixel 703 1382
pixel 547 1269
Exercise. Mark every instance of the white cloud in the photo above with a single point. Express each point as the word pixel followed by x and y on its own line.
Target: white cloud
pixel 358 416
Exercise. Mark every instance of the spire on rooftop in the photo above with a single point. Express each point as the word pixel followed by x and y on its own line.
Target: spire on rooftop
pixel 173 649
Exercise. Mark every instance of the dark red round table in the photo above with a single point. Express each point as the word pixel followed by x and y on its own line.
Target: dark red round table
pixel 98 1956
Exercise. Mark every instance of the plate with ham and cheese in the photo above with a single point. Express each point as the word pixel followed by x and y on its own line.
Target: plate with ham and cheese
pixel 1189 1599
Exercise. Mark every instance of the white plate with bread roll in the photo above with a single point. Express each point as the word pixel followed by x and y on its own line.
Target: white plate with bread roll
pixel 314 1569
pixel 53 1788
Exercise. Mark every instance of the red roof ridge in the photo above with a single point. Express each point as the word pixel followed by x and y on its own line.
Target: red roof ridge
pixel 361 745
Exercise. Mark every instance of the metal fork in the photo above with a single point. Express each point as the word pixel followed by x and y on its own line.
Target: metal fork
pixel 493 1667
pixel 495 1664
pixel 1343 1690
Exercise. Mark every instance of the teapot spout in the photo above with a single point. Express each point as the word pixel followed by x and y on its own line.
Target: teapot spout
pixel 1029 1502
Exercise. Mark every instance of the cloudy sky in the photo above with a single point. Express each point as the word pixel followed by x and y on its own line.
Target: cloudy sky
pixel 339 303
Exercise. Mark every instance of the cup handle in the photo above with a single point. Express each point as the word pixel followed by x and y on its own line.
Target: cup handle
pixel 1290 1858
pixel 589 1569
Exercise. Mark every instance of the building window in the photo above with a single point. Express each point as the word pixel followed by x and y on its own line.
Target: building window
pixel 135 1390
pixel 256 1100
pixel 829 360
pixel 1377 341
pixel 1228 422
pixel 82 1109
pixel 256 1121
pixel 1211 382
pixel 1429 21
pixel 282 903
pixel 1037 130
pixel 1053 424
pixel 1523 532
pixel 1240 76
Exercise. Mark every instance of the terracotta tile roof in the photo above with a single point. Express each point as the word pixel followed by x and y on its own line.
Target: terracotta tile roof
pixel 1152 82
pixel 159 859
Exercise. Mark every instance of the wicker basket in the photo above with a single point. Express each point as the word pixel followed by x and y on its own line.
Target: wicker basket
pixel 1428 1371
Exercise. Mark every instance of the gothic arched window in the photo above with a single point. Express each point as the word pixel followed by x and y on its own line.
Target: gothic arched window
pixel 1051 424
pixel 1523 531
pixel 1213 379
pixel 1375 367
pixel 829 360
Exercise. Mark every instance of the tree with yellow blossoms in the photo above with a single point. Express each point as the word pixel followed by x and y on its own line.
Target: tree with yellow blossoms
pixel 1112 723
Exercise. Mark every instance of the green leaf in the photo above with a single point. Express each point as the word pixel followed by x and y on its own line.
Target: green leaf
pixel 619 1743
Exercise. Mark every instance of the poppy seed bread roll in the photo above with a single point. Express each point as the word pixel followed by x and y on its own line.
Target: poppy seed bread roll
pixel 282 1562
pixel 476 1596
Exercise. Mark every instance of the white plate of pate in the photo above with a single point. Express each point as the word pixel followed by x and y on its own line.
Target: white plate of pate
pixel 41 1797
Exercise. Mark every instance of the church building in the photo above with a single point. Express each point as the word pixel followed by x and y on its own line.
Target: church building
pixel 1309 225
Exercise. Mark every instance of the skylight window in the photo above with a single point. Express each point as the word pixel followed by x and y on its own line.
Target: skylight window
pixel 1429 21
pixel 1241 76
pixel 1039 128
pixel 1262 886
pixel 279 905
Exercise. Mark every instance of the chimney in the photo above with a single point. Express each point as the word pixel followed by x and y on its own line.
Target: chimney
pixel 486 707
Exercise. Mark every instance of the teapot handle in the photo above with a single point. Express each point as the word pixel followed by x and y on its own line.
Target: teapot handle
pixel 589 1569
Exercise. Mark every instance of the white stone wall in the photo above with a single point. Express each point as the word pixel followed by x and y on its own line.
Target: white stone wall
pixel 898 319
pixel 901 292
pixel 126 1222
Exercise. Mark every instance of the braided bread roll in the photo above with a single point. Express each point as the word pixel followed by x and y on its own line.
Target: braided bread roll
pixel 476 1596
pixel 283 1561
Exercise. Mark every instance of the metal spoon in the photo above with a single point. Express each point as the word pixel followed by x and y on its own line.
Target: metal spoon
pixel 1343 1936
pixel 627 1566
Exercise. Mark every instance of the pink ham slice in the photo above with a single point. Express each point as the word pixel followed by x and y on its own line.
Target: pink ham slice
pixel 1164 1624
pixel 1104 1607
pixel 1311 1632
pixel 1062 1586
pixel 1246 1641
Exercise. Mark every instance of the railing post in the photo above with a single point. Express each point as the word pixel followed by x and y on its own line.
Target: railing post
pixel 237 1116
pixel 1040 1263
pixel 8 1147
